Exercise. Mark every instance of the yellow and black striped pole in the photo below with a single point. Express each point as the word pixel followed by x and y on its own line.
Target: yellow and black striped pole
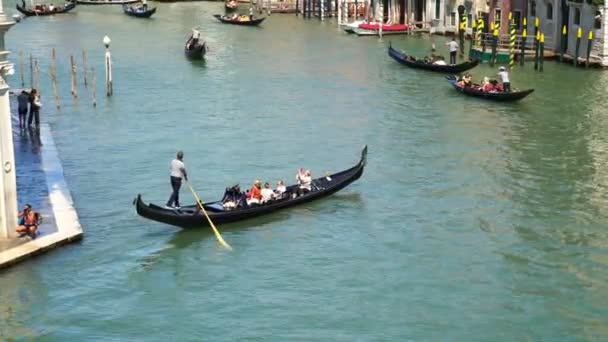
pixel 511 41
pixel 589 46
pixel 524 36
pixel 579 35
pixel 480 27
pixel 461 32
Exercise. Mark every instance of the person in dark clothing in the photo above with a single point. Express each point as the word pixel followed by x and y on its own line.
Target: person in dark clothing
pixel 34 109
pixel 23 99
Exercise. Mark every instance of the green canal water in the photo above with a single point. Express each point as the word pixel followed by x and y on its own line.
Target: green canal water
pixel 472 222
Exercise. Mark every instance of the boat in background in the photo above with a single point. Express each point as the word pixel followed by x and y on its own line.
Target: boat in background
pixel 41 10
pixel 138 12
pixel 195 51
pixel 476 91
pixel 106 2
pixel 418 64
pixel 242 20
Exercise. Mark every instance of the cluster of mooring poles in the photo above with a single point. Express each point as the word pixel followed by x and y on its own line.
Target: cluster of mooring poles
pixel 35 74
pixel 519 52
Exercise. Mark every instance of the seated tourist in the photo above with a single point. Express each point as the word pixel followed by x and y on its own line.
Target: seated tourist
pixel 267 193
pixel 255 193
pixel 495 85
pixel 439 61
pixel 467 80
pixel 28 222
pixel 51 7
pixel 233 198
pixel 280 190
pixel 305 181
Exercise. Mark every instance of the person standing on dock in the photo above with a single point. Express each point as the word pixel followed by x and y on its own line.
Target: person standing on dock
pixel 35 105
pixel 23 99
pixel 178 171
pixel 453 50
pixel 504 78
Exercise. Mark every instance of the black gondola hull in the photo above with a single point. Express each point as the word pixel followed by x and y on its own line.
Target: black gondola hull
pixel 493 95
pixel 254 22
pixel 197 52
pixel 32 13
pixel 447 69
pixel 189 217
pixel 138 14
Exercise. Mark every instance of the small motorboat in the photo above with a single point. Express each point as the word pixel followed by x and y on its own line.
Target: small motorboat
pixel 40 10
pixel 138 11
pixel 476 91
pixel 385 27
pixel 242 20
pixel 195 51
pixel 412 62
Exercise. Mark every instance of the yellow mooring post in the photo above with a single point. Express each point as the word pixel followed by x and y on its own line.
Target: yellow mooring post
pixel 473 32
pixel 511 41
pixel 589 46
pixel 542 51
pixel 563 46
pixel 524 36
pixel 480 26
pixel 579 35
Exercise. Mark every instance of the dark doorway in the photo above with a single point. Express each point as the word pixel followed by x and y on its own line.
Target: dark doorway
pixel 418 16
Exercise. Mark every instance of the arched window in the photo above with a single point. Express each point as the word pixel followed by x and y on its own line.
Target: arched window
pixel 549 11
pixel 577 16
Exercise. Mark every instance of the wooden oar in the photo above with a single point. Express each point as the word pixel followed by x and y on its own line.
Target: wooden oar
pixel 217 233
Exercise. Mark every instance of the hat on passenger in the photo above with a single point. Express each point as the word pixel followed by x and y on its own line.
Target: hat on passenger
pixel 502 68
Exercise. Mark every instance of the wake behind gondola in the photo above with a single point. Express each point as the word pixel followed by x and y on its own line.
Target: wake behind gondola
pixel 191 217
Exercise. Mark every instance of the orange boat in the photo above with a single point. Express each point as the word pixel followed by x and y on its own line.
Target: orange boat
pixel 385 27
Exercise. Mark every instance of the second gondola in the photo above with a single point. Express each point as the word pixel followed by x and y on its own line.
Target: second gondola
pixel 418 64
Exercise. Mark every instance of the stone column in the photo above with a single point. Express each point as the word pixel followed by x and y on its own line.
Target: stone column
pixel 8 187
pixel 604 36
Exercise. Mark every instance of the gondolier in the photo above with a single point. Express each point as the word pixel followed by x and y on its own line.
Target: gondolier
pixel 178 171
pixel 504 78
pixel 453 46
pixel 144 4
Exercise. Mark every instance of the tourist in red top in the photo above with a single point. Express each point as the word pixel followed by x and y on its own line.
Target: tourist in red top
pixel 255 194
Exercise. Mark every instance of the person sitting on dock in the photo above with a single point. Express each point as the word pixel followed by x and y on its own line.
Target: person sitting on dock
pixel 28 222
pixel 504 78
pixel 267 193
pixel 255 194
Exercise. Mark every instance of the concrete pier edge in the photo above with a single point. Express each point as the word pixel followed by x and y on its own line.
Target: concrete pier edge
pixel 66 218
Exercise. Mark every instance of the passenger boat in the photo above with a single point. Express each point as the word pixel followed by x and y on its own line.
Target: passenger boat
pixel 106 2
pixel 385 27
pixel 138 12
pixel 195 52
pixel 231 5
pixel 418 64
pixel 190 217
pixel 39 10
pixel 476 91
pixel 241 20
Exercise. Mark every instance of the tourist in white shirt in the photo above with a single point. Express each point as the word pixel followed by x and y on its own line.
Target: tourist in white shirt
pixel 305 181
pixel 453 50
pixel 280 190
pixel 267 193
pixel 504 78
pixel 178 171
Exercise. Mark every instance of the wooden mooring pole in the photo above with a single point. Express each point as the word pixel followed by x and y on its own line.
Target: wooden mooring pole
pixel 54 78
pixel 22 68
pixel 73 77
pixel 84 67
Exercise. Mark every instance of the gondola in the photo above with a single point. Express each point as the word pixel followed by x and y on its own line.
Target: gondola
pixel 247 22
pixel 32 13
pixel 417 64
pixel 138 12
pixel 231 5
pixel 490 95
pixel 190 217
pixel 195 52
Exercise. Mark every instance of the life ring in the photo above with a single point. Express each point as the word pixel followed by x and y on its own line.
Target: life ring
pixel 7 166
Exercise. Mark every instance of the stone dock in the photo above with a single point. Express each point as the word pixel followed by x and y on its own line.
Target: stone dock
pixel 41 183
